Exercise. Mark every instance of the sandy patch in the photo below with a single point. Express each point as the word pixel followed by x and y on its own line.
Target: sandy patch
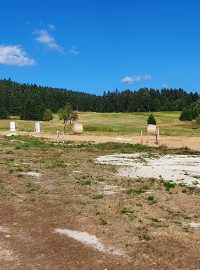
pixel 4 229
pixel 11 134
pixel 6 255
pixel 89 240
pixel 184 169
pixel 121 139
pixel 110 189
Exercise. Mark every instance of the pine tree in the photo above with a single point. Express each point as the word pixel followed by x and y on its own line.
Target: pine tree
pixel 151 120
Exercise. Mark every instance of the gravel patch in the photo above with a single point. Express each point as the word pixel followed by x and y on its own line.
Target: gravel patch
pixel 181 169
pixel 33 174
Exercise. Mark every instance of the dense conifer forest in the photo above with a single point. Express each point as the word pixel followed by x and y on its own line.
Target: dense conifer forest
pixel 29 101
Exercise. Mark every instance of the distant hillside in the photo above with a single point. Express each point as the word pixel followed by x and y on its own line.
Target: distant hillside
pixel 16 97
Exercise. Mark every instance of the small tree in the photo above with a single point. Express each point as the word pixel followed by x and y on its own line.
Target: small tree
pixel 186 115
pixel 67 113
pixel 198 119
pixel 61 114
pixel 151 120
pixel 47 116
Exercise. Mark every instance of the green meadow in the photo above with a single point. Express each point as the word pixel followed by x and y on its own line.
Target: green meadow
pixel 114 124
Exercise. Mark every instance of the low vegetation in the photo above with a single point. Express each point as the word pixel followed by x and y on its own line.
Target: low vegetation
pixel 137 218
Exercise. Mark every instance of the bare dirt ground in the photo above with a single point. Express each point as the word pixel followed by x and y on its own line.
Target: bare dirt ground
pixel 169 141
pixel 47 188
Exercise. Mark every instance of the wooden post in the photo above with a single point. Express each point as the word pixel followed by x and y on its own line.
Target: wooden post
pixel 158 137
pixel 57 136
pixel 141 138
pixel 147 139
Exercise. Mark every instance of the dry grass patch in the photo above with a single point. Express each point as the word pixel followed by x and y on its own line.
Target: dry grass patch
pixel 146 219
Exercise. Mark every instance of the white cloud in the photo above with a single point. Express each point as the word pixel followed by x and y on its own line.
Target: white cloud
pixel 73 51
pixel 44 37
pixel 14 55
pixel 135 78
pixel 164 85
pixel 51 27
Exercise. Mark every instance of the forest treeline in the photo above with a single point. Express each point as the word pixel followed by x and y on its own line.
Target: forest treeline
pixel 30 100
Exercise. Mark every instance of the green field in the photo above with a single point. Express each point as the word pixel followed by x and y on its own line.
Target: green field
pixel 115 124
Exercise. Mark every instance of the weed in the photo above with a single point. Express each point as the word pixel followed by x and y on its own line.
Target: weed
pixel 19 169
pixel 6 191
pixel 103 221
pixel 196 176
pixel 97 196
pixel 156 220
pixel 85 181
pixel 151 199
pixel 145 237
pixel 10 160
pixel 57 164
pixel 126 210
pixel 138 204
pixel 112 168
pixel 100 179
pixel 137 191
pixel 195 183
pixel 9 152
pixel 11 171
pixel 31 188
pixel 20 175
pixel 169 185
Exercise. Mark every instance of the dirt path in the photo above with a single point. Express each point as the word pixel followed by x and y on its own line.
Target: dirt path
pixel 169 141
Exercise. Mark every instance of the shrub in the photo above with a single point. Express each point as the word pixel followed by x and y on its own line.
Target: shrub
pixel 47 116
pixel 198 119
pixel 151 120
pixel 186 115
pixel 67 113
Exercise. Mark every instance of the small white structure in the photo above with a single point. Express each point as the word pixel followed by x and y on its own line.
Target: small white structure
pixel 13 127
pixel 37 127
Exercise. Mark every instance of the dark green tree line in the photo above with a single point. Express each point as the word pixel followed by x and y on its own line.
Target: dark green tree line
pixel 30 101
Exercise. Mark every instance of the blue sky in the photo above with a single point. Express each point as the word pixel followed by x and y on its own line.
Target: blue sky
pixel 97 45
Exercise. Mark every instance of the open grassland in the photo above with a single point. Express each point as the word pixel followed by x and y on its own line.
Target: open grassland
pixel 115 124
pixel 47 188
